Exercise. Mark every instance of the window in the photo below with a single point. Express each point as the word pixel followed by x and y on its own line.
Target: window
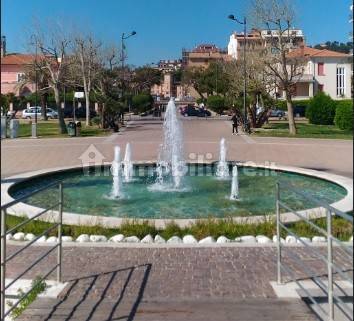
pixel 320 88
pixel 340 81
pixel 20 76
pixel 321 69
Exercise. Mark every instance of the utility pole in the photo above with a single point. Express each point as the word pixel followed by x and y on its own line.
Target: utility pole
pixel 244 23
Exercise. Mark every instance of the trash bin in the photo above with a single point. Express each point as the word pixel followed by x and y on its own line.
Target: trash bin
pixel 78 128
pixel 3 127
pixel 71 129
pixel 14 125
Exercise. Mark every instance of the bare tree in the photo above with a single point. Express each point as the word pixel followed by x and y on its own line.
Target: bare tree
pixel 277 16
pixel 86 51
pixel 52 45
pixel 258 89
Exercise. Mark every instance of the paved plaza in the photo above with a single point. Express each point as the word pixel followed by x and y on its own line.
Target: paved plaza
pixel 167 284
pixel 170 283
pixel 202 139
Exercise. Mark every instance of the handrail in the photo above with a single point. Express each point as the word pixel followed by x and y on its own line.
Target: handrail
pixel 5 259
pixel 326 259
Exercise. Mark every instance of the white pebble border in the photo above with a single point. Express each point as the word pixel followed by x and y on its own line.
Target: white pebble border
pixel 187 239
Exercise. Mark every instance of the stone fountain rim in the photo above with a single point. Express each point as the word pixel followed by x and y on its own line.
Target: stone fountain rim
pixel 344 205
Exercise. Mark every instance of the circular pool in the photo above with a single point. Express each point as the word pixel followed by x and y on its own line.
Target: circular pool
pixel 201 195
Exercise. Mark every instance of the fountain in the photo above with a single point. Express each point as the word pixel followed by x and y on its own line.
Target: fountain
pixel 128 165
pixel 222 170
pixel 171 161
pixel 234 187
pixel 116 173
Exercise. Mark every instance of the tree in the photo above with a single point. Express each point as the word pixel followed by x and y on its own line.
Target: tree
pixel 36 72
pixel 144 78
pixel 259 87
pixel 53 45
pixel 216 103
pixel 193 77
pixel 86 51
pixel 278 17
pixel 142 102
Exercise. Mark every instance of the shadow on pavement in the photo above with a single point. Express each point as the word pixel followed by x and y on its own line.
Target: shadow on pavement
pixel 98 296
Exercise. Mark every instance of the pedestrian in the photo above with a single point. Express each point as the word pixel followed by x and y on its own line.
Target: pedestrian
pixel 234 124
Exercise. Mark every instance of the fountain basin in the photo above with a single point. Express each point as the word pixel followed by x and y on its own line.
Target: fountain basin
pixel 204 196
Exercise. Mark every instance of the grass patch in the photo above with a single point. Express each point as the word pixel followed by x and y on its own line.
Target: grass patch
pixel 304 131
pixel 38 286
pixel 49 129
pixel 342 229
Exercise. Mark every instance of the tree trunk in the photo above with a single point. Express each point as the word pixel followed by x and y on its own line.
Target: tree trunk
pixel 87 98
pixel 43 99
pixel 102 116
pixel 62 126
pixel 291 119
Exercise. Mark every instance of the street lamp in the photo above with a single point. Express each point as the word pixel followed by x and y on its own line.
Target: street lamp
pixel 124 37
pixel 244 23
pixel 34 125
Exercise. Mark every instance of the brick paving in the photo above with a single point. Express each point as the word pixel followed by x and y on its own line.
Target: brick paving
pixel 216 283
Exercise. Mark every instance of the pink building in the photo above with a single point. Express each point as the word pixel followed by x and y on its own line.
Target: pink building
pixel 12 69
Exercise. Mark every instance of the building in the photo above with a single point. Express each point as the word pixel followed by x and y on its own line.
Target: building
pixel 257 40
pixel 203 55
pixel 169 84
pixel 12 70
pixel 326 71
pixel 169 65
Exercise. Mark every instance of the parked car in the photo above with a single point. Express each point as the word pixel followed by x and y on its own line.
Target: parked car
pixel 277 113
pixel 30 113
pixel 189 111
pixel 204 113
pixel 300 111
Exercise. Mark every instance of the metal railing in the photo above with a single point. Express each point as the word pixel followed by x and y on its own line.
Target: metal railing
pixel 5 259
pixel 328 259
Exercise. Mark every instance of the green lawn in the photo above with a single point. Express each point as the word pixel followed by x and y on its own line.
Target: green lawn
pixel 304 131
pixel 341 228
pixel 48 129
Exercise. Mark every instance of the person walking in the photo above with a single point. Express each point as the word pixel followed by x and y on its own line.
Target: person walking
pixel 234 124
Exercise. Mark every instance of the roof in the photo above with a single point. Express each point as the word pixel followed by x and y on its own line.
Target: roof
pixel 17 59
pixel 312 52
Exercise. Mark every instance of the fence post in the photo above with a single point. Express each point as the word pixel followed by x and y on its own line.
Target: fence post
pixel 329 266
pixel 60 228
pixel 3 263
pixel 277 197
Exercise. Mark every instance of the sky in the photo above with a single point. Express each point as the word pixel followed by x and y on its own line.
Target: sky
pixel 163 27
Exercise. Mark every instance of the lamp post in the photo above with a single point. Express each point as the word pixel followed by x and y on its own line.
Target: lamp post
pixel 34 125
pixel 244 23
pixel 124 37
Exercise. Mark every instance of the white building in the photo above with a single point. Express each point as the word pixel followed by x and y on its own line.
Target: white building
pixel 259 39
pixel 326 71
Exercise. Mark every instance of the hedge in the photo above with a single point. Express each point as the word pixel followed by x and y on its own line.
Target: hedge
pixel 281 104
pixel 321 110
pixel 344 115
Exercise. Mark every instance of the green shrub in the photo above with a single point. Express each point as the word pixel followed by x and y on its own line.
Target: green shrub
pixel 344 115
pixel 321 110
pixel 142 102
pixel 281 104
pixel 216 103
pixel 96 120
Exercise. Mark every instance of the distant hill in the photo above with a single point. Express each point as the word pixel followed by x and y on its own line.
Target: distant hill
pixel 336 46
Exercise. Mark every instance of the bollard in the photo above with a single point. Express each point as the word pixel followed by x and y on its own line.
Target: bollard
pixel 3 127
pixel 14 125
